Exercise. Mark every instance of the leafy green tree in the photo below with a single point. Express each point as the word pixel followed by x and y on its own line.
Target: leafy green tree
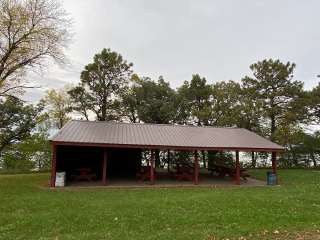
pixel 16 122
pixel 155 101
pixel 303 149
pixel 32 153
pixel 194 99
pixel 102 84
pixel 79 101
pixel 31 32
pixel 226 104
pixel 129 104
pixel 14 160
pixel 311 147
pixel 58 106
pixel 250 116
pixel 272 87
pixel 314 104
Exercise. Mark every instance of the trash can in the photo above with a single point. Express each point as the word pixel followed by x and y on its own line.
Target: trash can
pixel 271 178
pixel 60 179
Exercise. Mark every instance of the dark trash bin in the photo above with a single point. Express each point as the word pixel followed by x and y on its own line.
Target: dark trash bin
pixel 271 178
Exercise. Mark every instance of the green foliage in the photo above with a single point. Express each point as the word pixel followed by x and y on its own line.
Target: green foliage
pixel 16 122
pixel 24 136
pixel 150 101
pixel 314 104
pixel 220 158
pixel 129 105
pixel 226 104
pixel 102 84
pixel 272 87
pixel 79 101
pixel 303 149
pixel 31 154
pixel 183 158
pixel 58 106
pixel 194 99
pixel 223 104
pixel 250 115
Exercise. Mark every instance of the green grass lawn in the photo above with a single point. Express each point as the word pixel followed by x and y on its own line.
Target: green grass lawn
pixel 30 211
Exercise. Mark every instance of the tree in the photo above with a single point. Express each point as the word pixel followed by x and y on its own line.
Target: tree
pixel 194 99
pixel 102 84
pixel 154 101
pixel 250 115
pixel 272 87
pixel 314 104
pixel 303 149
pixel 31 31
pixel 30 154
pixel 129 104
pixel 226 107
pixel 58 106
pixel 311 147
pixel 16 122
pixel 79 101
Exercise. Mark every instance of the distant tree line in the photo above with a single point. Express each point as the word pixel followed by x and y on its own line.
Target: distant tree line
pixel 269 102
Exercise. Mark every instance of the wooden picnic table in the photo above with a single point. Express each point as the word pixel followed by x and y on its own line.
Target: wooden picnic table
pixel 144 173
pixel 222 171
pixel 84 174
pixel 184 173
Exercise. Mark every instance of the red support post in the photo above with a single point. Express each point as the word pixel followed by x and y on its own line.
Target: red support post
pixel 237 168
pixel 104 167
pixel 53 165
pixel 274 162
pixel 274 165
pixel 168 168
pixel 196 168
pixel 253 161
pixel 152 168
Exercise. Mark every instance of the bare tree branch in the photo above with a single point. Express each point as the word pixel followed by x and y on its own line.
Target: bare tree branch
pixel 5 92
pixel 31 31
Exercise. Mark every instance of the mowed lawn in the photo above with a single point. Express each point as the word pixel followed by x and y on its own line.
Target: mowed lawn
pixel 28 210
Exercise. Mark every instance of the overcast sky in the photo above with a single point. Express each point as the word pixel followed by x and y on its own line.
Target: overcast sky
pixel 178 38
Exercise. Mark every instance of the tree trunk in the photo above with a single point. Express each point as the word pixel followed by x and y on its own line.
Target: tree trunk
pixel 273 127
pixel 313 159
pixel 104 107
pixel 103 112
pixel 157 158
pixel 294 159
pixel 253 160
pixel 168 168
pixel 60 123
pixel 204 158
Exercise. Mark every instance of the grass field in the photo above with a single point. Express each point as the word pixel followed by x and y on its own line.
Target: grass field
pixel 30 211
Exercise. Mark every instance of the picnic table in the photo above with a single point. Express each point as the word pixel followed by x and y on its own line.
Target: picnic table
pixel 85 174
pixel 185 173
pixel 144 173
pixel 222 171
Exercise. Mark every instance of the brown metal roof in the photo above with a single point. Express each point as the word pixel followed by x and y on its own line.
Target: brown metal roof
pixel 161 136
